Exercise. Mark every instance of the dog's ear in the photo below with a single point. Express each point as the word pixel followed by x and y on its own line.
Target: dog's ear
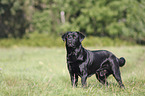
pixel 64 36
pixel 81 36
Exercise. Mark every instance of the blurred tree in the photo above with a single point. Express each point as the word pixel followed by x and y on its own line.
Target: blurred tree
pixel 122 19
pixel 14 18
pixel 135 22
pixel 113 18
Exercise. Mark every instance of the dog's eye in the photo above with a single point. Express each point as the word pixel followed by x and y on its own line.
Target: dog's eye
pixel 67 36
pixel 74 36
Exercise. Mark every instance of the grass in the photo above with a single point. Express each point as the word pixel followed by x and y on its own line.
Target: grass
pixel 27 71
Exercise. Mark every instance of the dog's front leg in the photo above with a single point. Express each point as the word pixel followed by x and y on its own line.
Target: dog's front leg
pixel 83 80
pixel 74 80
pixel 73 76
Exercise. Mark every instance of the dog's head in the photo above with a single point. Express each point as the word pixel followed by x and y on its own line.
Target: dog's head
pixel 73 39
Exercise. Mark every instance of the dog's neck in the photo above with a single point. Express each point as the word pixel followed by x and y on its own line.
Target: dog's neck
pixel 75 54
pixel 76 50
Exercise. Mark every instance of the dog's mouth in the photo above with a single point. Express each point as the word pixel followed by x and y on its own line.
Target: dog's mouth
pixel 70 45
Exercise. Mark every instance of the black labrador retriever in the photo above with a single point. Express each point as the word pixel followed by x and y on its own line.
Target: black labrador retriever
pixel 84 63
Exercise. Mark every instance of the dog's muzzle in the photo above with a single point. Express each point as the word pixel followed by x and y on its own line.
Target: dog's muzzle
pixel 70 44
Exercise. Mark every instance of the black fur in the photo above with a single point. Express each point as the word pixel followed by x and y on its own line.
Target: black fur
pixel 84 63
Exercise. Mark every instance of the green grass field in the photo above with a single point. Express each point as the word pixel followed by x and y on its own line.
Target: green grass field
pixel 28 71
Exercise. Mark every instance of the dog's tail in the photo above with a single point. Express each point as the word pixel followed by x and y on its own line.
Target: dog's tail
pixel 121 61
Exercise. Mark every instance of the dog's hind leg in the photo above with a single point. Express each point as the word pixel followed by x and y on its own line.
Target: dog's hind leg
pixel 118 78
pixel 116 71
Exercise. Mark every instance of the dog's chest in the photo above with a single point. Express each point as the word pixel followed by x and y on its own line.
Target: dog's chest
pixel 76 69
pixel 73 58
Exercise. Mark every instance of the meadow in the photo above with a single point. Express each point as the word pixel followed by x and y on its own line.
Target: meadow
pixel 41 71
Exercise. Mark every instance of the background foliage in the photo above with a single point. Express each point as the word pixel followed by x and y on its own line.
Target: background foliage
pixel 122 19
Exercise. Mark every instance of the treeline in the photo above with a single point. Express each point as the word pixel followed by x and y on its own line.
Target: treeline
pixel 123 19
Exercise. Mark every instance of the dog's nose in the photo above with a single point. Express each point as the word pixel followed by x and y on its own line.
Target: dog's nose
pixel 70 37
pixel 69 41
